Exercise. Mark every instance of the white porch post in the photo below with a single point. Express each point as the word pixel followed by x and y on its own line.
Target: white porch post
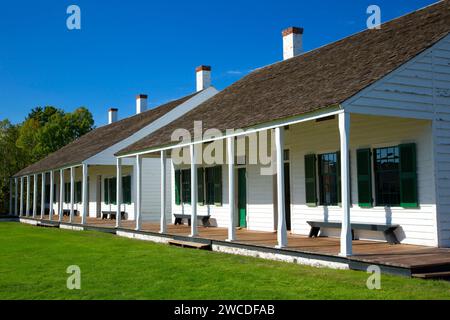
pixel 10 196
pixel 16 183
pixel 193 191
pixel 231 194
pixel 279 145
pixel 138 191
pixel 50 205
pixel 72 193
pixel 85 195
pixel 163 227
pixel 43 195
pixel 61 194
pixel 35 189
pixel 346 231
pixel 21 196
pixel 28 196
pixel 119 191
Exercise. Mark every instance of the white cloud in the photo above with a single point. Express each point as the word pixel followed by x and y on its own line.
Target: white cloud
pixel 234 72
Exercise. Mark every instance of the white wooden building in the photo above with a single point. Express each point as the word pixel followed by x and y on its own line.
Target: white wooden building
pixel 83 173
pixel 360 133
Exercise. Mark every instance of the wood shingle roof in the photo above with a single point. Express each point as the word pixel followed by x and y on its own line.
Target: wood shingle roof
pixel 100 139
pixel 318 79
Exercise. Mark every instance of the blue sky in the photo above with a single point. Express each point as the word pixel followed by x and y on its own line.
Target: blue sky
pixel 136 46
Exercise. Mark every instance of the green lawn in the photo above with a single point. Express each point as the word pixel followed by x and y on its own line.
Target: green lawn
pixel 33 264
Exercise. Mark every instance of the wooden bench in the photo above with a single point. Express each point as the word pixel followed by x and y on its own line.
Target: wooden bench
pixel 190 244
pixel 112 215
pixel 387 229
pixel 180 217
pixel 66 212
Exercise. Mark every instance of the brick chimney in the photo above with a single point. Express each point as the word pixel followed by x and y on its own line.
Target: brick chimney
pixel 141 103
pixel 112 115
pixel 292 42
pixel 203 74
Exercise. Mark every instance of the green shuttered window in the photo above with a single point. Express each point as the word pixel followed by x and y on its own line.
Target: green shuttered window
pixel 395 172
pixel 310 180
pixel 209 184
pixel 110 191
pixel 408 176
pixel 77 192
pixel 363 162
pixel 213 185
pixel 328 179
pixel 387 176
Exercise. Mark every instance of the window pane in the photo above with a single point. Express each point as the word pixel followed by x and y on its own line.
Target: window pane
pixel 328 179
pixel 387 176
pixel 186 186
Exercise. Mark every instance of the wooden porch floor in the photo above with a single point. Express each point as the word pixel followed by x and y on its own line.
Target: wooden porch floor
pixel 400 255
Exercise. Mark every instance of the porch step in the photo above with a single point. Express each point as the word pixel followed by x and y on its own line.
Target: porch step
pixel 432 268
pixel 190 244
pixel 47 224
pixel 433 275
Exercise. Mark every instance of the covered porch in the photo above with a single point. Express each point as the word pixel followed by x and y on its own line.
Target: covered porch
pixel 75 193
pixel 401 259
pixel 282 196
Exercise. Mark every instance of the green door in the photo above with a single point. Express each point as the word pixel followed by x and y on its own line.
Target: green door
pixel 242 198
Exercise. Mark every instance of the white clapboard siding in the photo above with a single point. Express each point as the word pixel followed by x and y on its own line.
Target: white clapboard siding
pixel 260 214
pixel 420 89
pixel 260 200
pixel 412 104
pixel 440 65
pixel 151 189
pixel 107 172
pixel 417 225
pixel 409 90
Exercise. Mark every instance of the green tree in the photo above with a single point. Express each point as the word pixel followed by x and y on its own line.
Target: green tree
pixel 44 130
pixel 12 159
pixel 43 115
pixel 28 139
